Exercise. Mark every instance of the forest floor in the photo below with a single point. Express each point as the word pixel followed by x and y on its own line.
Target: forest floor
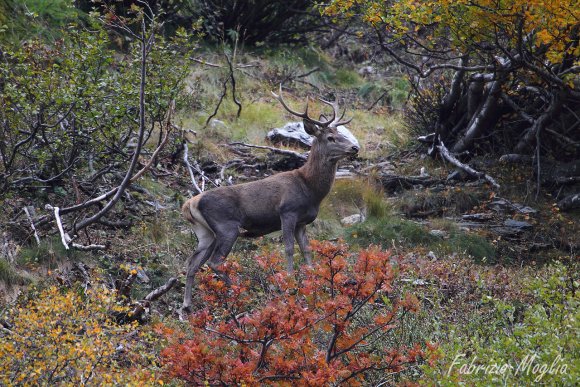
pixel 463 240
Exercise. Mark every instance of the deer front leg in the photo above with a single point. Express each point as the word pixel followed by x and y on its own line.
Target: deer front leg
pixel 226 236
pixel 302 240
pixel 288 228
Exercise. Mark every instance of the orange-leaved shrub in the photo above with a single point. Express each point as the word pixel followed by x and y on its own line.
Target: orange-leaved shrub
pixel 328 326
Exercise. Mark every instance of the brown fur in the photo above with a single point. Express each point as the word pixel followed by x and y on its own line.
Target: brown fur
pixel 287 201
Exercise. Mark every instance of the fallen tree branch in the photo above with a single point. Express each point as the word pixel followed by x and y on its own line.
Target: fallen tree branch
pixel 32 225
pixel 392 182
pixel 92 247
pixel 297 78
pixel 189 169
pixel 227 165
pixel 215 65
pixel 444 152
pixel 427 139
pixel 272 149
pixel 155 294
pixel 140 308
pixel 570 202
pixel 515 158
pixel 565 180
pixel 204 178
pixel 64 237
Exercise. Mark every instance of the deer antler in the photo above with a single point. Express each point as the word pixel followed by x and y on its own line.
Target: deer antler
pixel 336 122
pixel 304 115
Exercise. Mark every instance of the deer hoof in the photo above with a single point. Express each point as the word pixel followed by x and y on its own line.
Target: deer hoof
pixel 184 313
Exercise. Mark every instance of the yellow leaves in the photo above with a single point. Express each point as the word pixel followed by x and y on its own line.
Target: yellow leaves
pixel 135 8
pixel 544 37
pixel 468 21
pixel 66 337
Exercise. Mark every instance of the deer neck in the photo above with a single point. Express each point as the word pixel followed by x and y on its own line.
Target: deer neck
pixel 318 172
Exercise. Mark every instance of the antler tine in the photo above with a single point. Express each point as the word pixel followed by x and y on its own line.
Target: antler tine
pixel 279 98
pixel 301 115
pixel 342 115
pixel 337 122
pixel 334 106
pixel 340 122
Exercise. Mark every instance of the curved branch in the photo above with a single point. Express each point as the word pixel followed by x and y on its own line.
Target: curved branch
pixel 453 160
pixel 127 179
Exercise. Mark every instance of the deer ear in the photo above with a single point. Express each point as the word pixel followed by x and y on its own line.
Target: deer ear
pixel 310 127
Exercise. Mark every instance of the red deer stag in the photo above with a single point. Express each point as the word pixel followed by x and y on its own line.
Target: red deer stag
pixel 287 201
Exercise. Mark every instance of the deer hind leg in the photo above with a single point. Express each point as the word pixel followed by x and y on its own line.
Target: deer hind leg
pixel 302 239
pixel 206 246
pixel 226 236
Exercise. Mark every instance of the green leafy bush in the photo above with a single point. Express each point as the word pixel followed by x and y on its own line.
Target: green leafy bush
pixel 540 345
pixel 70 108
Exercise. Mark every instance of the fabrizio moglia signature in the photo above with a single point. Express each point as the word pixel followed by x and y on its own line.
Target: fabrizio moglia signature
pixel 529 365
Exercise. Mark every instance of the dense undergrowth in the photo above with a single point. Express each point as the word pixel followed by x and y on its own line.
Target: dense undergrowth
pixel 441 302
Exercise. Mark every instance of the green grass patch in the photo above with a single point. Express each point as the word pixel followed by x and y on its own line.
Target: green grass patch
pixel 25 19
pixel 9 276
pixel 49 250
pixel 393 231
pixel 346 78
pixel 387 231
pixel 471 245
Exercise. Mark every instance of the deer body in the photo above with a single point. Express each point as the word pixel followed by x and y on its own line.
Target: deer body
pixel 287 201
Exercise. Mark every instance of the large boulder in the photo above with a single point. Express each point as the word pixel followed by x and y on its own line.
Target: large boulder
pixel 293 133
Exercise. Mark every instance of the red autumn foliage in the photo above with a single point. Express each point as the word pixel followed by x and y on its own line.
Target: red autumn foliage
pixel 327 326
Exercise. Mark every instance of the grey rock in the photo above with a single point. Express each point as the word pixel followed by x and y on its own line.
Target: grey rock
pixel 501 205
pixel 438 233
pixel 481 217
pixel 417 282
pixel 217 124
pixel 517 224
pixel 366 70
pixel 525 209
pixel 142 276
pixel 352 219
pixel 294 133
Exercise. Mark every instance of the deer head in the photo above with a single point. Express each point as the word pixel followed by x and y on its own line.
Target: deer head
pixel 333 144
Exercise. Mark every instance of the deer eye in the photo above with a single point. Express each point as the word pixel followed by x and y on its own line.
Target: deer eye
pixel 331 139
